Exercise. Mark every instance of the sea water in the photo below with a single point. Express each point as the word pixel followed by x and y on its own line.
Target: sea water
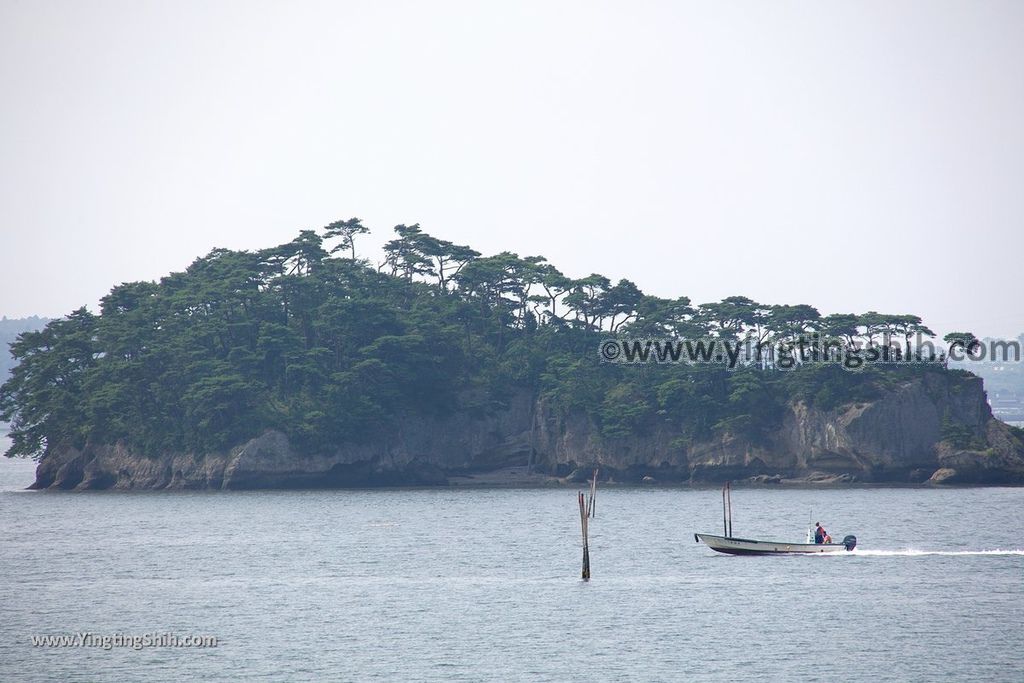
pixel 484 584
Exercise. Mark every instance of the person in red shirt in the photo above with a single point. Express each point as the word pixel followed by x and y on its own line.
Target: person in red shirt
pixel 819 533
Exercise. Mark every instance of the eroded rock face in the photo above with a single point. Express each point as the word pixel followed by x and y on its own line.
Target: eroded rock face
pixel 420 452
pixel 896 438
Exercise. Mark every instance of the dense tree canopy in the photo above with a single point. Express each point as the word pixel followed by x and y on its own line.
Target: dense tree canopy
pixel 10 328
pixel 307 338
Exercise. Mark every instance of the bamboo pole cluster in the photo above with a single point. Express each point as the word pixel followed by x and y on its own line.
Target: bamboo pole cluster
pixel 584 515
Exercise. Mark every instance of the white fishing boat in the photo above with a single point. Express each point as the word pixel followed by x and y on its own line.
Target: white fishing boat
pixel 748 546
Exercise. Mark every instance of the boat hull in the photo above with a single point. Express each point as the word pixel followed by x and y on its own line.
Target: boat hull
pixel 746 546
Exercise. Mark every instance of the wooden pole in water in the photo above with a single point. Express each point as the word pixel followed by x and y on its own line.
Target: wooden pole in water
pixel 725 517
pixel 592 503
pixel 586 546
pixel 728 495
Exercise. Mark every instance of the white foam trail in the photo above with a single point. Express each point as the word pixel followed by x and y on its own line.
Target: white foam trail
pixel 911 552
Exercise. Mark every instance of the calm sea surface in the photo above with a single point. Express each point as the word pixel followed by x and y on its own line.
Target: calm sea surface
pixel 484 585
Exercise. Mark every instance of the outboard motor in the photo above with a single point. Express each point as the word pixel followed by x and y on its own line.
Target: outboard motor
pixel 850 542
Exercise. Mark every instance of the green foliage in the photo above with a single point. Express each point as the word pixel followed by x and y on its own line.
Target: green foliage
pixel 754 404
pixel 306 338
pixel 961 436
pixel 623 411
pixel 828 387
pixel 1017 432
pixel 46 393
pixel 965 340
pixel 10 328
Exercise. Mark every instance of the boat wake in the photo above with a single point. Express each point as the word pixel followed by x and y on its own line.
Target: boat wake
pixel 911 552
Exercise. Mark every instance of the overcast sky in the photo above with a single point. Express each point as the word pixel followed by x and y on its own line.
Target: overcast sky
pixel 853 156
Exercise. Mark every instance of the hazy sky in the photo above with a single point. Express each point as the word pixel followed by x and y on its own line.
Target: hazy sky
pixel 853 156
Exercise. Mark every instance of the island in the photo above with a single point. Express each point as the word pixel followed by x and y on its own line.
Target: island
pixel 306 366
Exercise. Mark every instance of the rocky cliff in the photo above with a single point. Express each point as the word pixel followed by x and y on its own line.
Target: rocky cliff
pixel 937 428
